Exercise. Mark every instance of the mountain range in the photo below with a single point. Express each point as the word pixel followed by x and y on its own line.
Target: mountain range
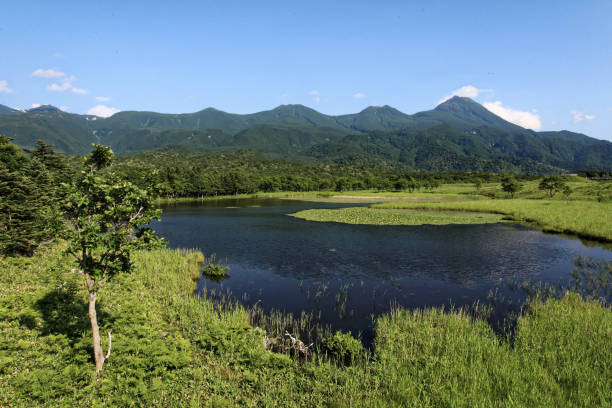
pixel 458 134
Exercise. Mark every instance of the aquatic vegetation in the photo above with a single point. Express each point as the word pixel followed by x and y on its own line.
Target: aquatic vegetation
pixel 364 215
pixel 214 270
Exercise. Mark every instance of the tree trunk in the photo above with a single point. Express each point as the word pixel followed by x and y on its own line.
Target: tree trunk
pixel 93 319
pixel 95 332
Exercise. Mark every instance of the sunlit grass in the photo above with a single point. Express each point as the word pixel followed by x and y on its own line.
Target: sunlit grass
pixel 446 359
pixel 589 219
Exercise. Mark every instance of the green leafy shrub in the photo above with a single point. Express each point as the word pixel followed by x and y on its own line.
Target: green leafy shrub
pixel 342 347
pixel 215 270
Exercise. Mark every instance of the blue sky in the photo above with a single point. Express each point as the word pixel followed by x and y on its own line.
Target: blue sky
pixel 545 65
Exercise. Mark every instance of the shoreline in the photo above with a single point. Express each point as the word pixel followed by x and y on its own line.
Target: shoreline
pixel 585 220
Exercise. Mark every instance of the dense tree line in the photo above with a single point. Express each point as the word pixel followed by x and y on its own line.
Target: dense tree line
pixel 194 175
pixel 596 174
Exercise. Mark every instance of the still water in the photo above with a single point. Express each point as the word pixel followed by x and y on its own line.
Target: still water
pixel 347 274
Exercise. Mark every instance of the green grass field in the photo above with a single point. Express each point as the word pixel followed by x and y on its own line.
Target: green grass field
pixel 173 349
pixel 585 213
pixel 587 219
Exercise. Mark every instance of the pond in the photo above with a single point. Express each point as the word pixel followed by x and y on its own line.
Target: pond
pixel 348 274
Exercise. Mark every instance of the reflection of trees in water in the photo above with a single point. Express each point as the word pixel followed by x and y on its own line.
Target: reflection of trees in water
pixel 592 278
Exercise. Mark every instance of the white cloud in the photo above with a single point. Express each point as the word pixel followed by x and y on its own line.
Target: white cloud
pixel 359 95
pixel 316 96
pixel 64 86
pixel 528 120
pixel 63 108
pixel 35 105
pixel 58 54
pixel 48 73
pixel 102 111
pixel 553 122
pixel 102 98
pixel 468 91
pixel 4 88
pixel 580 116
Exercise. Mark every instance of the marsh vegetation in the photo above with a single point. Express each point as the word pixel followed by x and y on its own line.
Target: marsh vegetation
pixel 173 349
pixel 371 216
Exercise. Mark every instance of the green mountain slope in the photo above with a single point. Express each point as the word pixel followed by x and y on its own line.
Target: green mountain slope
pixel 209 118
pixel 69 133
pixel 298 115
pixel 464 113
pixel 285 140
pixel 5 110
pixel 458 134
pixel 375 118
pixel 445 148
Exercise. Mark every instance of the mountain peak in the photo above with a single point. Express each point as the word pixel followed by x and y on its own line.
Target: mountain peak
pixel 45 109
pixel 465 114
pixel 292 107
pixel 458 102
pixel 382 109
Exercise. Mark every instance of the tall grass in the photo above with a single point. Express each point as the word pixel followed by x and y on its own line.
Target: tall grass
pixel 560 357
pixel 171 348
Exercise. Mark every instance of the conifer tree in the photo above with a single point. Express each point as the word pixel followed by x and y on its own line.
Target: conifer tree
pixel 28 212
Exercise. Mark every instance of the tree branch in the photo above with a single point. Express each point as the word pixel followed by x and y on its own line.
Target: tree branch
pixel 110 342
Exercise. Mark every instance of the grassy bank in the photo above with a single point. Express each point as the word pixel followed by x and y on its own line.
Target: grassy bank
pixel 587 219
pixel 364 215
pixel 172 349
pixel 331 196
pixel 179 200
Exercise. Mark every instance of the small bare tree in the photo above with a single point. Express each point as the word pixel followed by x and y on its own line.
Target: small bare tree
pixel 107 220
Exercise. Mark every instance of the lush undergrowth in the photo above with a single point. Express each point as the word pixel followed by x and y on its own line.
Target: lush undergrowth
pixel 365 215
pixel 172 349
pixel 588 219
